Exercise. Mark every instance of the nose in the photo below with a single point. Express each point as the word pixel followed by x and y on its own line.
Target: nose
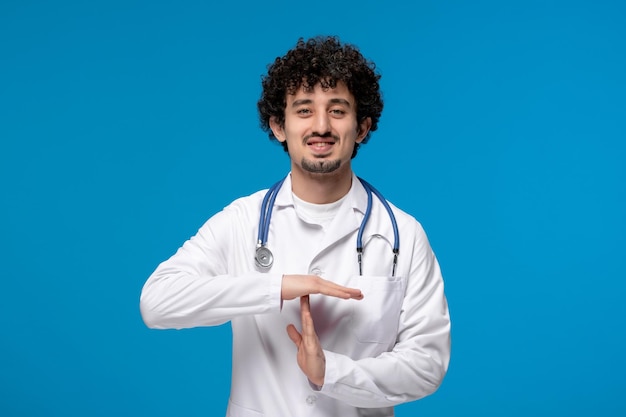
pixel 321 123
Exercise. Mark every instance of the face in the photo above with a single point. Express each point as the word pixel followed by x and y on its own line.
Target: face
pixel 321 130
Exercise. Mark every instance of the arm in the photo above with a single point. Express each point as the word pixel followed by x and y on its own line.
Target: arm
pixel 417 363
pixel 197 286
pixel 207 283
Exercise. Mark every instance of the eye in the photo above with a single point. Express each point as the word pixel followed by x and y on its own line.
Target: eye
pixel 337 112
pixel 303 111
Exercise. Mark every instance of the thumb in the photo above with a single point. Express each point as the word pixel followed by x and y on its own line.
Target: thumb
pixel 294 335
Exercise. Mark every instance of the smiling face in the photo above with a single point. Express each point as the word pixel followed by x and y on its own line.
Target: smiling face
pixel 321 130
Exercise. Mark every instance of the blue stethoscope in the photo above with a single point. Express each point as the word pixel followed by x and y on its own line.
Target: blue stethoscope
pixel 264 257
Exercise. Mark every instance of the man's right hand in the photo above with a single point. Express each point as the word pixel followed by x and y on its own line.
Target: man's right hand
pixel 294 286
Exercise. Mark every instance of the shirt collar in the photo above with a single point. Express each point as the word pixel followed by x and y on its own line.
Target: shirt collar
pixel 357 196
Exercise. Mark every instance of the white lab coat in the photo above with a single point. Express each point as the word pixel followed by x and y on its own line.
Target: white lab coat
pixel 391 347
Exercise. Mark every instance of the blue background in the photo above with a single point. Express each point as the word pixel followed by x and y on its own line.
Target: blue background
pixel 125 125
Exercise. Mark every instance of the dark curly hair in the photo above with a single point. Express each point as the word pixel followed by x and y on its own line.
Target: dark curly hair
pixel 324 60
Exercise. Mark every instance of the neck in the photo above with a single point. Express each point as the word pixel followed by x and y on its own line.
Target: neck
pixel 321 188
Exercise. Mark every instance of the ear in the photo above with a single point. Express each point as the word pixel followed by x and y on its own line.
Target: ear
pixel 364 128
pixel 277 129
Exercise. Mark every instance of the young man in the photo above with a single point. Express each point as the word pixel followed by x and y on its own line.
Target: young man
pixel 317 329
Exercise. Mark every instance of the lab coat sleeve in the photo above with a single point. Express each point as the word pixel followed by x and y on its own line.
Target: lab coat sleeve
pixel 201 284
pixel 416 365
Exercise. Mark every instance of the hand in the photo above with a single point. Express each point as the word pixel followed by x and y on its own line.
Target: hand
pixel 311 359
pixel 294 286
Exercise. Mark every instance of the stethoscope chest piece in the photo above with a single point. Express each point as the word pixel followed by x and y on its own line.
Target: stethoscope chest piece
pixel 263 257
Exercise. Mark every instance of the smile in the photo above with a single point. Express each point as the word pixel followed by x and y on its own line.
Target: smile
pixel 320 148
pixel 321 145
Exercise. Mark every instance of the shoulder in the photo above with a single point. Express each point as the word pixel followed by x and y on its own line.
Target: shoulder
pixel 243 210
pixel 249 202
pixel 246 208
pixel 412 233
pixel 404 219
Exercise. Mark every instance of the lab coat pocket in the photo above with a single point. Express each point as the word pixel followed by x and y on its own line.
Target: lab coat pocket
pixel 375 318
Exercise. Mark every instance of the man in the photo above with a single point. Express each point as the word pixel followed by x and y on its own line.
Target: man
pixel 315 332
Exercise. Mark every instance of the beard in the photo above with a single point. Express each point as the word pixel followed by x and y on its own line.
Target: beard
pixel 320 167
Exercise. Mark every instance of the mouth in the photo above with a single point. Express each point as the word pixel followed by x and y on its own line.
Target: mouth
pixel 320 145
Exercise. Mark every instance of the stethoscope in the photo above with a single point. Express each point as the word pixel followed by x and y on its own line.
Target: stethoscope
pixel 264 257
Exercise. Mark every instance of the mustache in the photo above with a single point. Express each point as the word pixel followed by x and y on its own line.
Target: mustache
pixel 320 135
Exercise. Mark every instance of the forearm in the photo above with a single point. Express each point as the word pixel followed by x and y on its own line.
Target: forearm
pixel 417 363
pixel 204 284
pixel 176 299
pixel 405 374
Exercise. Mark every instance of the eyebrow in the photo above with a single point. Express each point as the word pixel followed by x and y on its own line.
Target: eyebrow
pixel 304 101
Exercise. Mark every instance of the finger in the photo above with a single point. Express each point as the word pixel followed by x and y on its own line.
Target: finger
pixel 305 305
pixel 335 290
pixel 305 313
pixel 294 335
pixel 293 286
pixel 309 336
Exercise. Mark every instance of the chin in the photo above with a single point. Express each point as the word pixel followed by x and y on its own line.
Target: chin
pixel 320 167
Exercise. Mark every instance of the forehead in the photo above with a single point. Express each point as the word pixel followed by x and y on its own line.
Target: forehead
pixel 321 94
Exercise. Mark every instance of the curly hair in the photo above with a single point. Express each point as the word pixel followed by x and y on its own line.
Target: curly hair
pixel 321 60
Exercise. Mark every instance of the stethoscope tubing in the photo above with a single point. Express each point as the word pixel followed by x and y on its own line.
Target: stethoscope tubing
pixel 266 212
pixel 396 235
pixel 264 257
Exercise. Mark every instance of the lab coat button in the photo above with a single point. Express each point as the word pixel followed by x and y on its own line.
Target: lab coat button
pixel 316 271
pixel 310 400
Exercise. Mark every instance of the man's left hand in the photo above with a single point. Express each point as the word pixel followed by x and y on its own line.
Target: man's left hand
pixel 311 358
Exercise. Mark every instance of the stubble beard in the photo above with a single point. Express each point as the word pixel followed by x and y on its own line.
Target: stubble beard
pixel 320 167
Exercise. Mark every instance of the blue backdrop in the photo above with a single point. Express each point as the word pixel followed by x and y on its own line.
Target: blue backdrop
pixel 124 125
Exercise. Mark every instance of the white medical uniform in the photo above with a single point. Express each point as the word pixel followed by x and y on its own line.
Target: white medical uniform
pixel 391 347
